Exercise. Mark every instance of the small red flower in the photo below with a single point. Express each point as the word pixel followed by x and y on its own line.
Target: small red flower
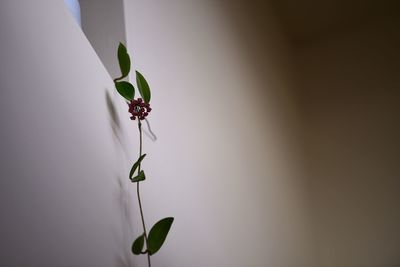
pixel 139 109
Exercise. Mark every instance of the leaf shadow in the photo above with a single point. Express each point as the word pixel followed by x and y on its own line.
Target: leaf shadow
pixel 123 198
pixel 122 195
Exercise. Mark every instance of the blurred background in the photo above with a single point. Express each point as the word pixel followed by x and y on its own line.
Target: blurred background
pixel 277 127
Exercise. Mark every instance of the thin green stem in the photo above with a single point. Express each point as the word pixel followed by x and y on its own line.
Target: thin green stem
pixel 138 195
pixel 119 78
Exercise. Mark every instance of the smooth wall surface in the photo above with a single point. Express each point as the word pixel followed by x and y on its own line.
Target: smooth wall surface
pixel 61 202
pixel 349 88
pixel 225 162
pixel 264 159
pixel 103 23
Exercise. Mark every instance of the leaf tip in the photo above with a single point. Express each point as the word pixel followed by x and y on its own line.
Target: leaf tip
pixel 143 86
pixel 124 60
pixel 121 46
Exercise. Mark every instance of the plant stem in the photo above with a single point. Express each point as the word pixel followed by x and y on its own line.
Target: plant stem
pixel 138 196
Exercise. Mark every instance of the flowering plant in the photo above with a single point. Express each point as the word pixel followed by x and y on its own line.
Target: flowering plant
pixel 140 109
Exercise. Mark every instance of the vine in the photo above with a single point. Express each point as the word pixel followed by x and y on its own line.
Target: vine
pixel 140 109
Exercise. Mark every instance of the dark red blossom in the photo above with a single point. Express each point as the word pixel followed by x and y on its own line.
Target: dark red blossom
pixel 139 109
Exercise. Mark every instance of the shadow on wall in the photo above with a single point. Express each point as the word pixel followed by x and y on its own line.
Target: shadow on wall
pixel 346 108
pixel 122 195
pixel 115 124
pixel 124 198
pixel 350 97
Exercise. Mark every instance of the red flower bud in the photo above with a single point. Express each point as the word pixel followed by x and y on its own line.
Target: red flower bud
pixel 139 109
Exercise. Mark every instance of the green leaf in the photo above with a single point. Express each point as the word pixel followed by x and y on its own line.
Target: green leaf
pixel 125 89
pixel 158 234
pixel 124 60
pixel 139 177
pixel 137 245
pixel 143 86
pixel 134 167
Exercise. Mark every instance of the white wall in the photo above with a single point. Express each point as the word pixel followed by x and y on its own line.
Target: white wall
pixel 225 163
pixel 103 23
pixel 349 88
pixel 228 162
pixel 60 201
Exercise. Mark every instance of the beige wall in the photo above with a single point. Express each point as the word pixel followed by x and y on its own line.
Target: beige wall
pixel 350 94
pixel 225 162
